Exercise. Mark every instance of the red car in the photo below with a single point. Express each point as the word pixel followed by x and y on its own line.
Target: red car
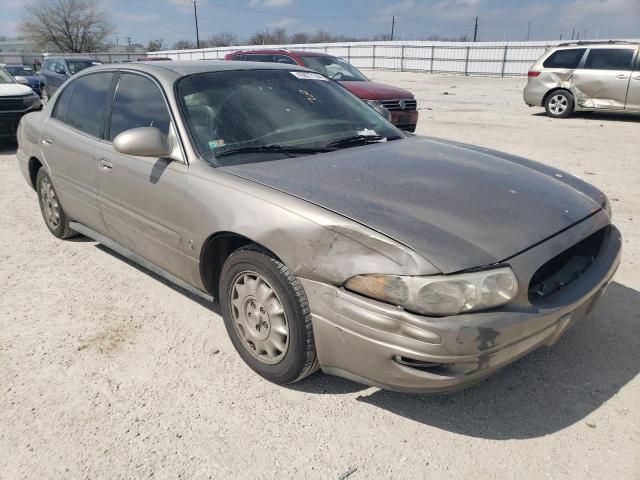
pixel 400 103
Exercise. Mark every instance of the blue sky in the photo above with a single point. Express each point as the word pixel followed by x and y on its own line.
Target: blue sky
pixel 172 20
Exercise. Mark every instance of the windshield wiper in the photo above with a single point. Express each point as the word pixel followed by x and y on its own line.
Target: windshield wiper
pixel 356 140
pixel 275 149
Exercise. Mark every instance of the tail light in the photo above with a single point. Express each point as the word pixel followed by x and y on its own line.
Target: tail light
pixel 534 73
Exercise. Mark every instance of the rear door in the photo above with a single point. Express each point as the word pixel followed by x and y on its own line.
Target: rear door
pixel 633 95
pixel 602 79
pixel 142 198
pixel 69 140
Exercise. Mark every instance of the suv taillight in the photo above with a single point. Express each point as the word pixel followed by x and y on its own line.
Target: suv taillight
pixel 533 73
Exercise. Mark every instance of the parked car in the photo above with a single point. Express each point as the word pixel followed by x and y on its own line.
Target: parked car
pixel 25 75
pixel 586 76
pixel 332 239
pixel 56 70
pixel 15 100
pixel 401 104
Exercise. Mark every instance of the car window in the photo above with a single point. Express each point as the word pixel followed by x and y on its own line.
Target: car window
pixel 284 59
pixel 62 104
pixel 48 65
pixel 77 65
pixel 333 67
pixel 5 77
pixel 233 110
pixel 259 58
pixel 569 58
pixel 17 71
pixel 239 58
pixel 87 105
pixel 609 59
pixel 138 103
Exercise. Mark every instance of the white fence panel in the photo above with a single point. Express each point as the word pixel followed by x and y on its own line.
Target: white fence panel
pixel 467 58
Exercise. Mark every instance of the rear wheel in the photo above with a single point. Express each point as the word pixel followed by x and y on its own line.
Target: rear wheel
pixel 52 212
pixel 559 104
pixel 267 316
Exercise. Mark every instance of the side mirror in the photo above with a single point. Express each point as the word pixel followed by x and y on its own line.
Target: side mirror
pixel 61 71
pixel 143 142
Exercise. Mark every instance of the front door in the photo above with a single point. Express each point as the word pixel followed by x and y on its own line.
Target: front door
pixel 142 198
pixel 603 80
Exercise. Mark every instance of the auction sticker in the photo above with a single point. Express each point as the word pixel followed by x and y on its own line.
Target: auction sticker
pixel 309 76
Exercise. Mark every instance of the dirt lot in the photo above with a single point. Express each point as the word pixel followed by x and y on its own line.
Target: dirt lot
pixel 106 371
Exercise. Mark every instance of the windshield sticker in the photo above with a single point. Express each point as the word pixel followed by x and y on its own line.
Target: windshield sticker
pixel 309 76
pixel 213 144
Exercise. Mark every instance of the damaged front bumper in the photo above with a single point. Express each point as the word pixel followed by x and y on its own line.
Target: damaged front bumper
pixel 384 346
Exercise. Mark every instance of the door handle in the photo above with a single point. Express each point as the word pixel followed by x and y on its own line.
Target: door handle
pixel 105 165
pixel 47 141
pixel 622 76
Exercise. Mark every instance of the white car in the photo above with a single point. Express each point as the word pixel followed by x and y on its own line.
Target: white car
pixel 15 101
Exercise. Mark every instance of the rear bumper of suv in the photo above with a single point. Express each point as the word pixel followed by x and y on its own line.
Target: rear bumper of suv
pixel 384 346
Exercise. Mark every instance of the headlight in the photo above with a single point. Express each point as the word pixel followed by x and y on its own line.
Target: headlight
pixel 31 100
pixel 440 295
pixel 378 107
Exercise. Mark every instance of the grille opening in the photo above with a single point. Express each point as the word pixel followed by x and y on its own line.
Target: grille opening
pixel 565 268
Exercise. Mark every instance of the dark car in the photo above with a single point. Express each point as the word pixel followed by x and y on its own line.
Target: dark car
pixel 401 104
pixel 56 70
pixel 332 239
pixel 25 75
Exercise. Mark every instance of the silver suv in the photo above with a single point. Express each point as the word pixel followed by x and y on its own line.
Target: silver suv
pixel 585 76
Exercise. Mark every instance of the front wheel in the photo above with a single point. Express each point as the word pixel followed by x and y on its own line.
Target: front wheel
pixel 267 316
pixel 559 104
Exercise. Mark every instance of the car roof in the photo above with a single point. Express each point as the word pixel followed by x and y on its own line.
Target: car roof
pixel 303 53
pixel 85 59
pixel 188 67
pixel 596 44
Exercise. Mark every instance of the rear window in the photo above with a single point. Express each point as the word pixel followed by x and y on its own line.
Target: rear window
pixel 609 59
pixel 565 58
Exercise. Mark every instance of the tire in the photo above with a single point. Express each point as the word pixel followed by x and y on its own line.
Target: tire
pixel 559 104
pixel 54 217
pixel 267 317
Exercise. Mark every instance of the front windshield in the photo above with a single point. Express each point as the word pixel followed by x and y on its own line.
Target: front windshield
pixel 254 109
pixel 76 65
pixel 20 71
pixel 334 67
pixel 5 77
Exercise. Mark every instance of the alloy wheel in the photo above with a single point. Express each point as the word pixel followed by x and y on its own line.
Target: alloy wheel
pixel 259 317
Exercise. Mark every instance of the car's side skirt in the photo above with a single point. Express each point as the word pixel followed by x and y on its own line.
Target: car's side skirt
pixel 116 247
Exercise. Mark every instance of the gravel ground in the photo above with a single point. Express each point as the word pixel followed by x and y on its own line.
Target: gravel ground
pixel 107 371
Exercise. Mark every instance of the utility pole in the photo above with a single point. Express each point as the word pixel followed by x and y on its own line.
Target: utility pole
pixel 578 37
pixel 573 33
pixel 475 31
pixel 528 31
pixel 195 14
pixel 129 41
pixel 560 37
pixel 393 26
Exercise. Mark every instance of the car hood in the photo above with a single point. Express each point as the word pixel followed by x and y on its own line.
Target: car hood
pixel 457 205
pixel 376 91
pixel 10 89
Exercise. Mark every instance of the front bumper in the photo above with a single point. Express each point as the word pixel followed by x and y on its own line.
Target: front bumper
pixel 405 120
pixel 370 342
pixel 9 123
